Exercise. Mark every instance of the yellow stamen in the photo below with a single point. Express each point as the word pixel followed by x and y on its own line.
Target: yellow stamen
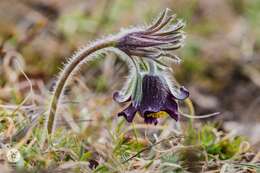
pixel 157 114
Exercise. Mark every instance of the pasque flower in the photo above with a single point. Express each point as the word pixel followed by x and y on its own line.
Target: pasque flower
pixel 157 94
pixel 148 88
pixel 151 91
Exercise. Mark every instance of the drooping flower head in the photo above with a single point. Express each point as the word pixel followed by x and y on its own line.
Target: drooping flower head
pixel 157 95
pixel 150 90
pixel 146 89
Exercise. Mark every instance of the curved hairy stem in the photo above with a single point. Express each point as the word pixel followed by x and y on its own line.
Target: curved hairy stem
pixel 65 75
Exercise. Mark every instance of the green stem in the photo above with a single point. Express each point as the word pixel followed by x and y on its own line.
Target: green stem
pixel 65 75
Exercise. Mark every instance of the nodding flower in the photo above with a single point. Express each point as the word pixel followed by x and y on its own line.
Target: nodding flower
pixel 150 90
pixel 149 93
pixel 154 41
pixel 154 94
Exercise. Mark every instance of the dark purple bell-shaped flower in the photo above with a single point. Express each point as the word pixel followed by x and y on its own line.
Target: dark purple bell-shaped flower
pixel 156 96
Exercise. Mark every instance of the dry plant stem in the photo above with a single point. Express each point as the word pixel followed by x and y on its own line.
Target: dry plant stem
pixel 189 103
pixel 65 75
pixel 147 148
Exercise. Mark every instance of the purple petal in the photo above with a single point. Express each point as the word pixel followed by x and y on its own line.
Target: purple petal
pixel 154 94
pixel 145 42
pixel 150 120
pixel 171 108
pixel 128 113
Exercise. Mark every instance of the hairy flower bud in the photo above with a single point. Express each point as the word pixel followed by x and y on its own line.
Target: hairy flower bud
pixel 155 41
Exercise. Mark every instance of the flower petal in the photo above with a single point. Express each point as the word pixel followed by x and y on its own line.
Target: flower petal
pixel 128 113
pixel 171 108
pixel 154 93
pixel 150 120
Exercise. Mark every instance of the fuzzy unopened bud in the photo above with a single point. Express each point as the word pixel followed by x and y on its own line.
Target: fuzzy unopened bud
pixel 154 41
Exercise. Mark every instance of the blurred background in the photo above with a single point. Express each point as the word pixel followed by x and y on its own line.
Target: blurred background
pixel 221 57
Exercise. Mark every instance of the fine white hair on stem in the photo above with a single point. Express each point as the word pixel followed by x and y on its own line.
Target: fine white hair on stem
pixel 150 42
pixel 81 56
pixel 98 54
pixel 81 50
pixel 73 65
